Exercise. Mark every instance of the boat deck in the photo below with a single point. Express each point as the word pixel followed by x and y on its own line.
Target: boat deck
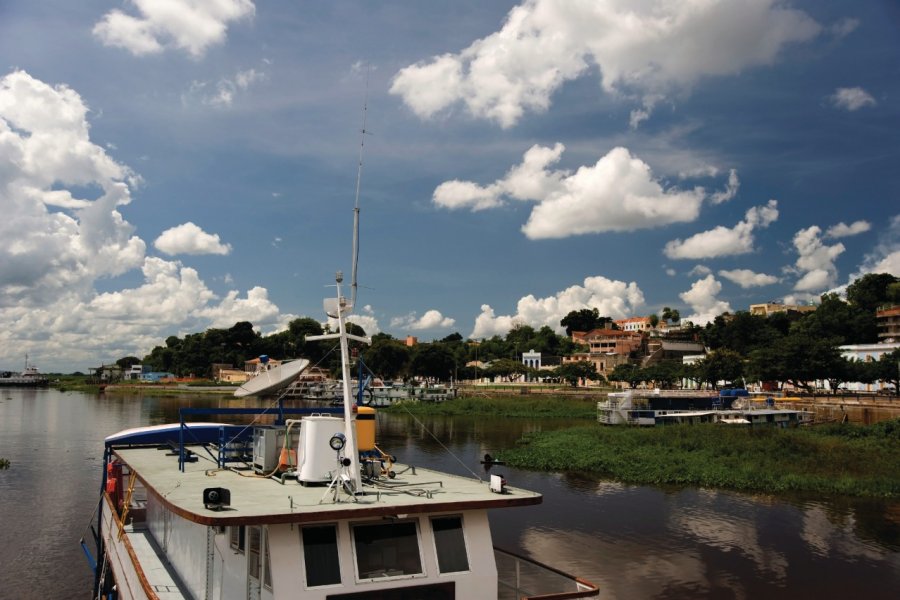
pixel 257 499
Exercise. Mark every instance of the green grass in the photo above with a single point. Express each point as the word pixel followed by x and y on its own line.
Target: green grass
pixel 845 459
pixel 508 406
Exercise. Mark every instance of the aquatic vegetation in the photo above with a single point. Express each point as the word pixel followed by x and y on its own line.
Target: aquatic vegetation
pixel 852 460
pixel 4 463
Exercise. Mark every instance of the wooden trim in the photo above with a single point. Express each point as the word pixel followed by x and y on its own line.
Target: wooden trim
pixel 139 571
pixel 334 515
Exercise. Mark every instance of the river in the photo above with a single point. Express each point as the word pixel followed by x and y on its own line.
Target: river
pixel 633 541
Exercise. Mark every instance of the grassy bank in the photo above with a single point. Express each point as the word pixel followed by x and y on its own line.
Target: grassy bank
pixel 845 459
pixel 510 406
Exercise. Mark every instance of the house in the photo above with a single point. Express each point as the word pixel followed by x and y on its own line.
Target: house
pixel 769 308
pixel 640 324
pixel 606 348
pixel 888 324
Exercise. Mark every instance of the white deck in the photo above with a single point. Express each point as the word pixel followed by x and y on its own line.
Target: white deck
pixel 255 499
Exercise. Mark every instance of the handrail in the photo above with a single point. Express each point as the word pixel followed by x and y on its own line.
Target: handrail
pixel 584 588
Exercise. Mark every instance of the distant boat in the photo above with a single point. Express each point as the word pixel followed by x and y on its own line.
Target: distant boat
pixel 30 377
pixel 268 380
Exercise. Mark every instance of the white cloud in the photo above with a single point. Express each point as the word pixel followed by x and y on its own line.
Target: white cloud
pixel 701 270
pixel 844 27
pixel 432 319
pixel 222 94
pixel 747 278
pixel 671 272
pixel 729 192
pixel 56 243
pixel 365 318
pixel 649 48
pixel 191 25
pixel 815 263
pixel 852 98
pixel 188 238
pixel 703 301
pixel 722 241
pixel 616 299
pixel 885 256
pixel 617 193
pixel 843 230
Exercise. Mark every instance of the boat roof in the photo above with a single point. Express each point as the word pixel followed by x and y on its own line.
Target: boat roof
pixel 260 500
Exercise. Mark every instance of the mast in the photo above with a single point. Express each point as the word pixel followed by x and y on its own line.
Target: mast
pixel 362 142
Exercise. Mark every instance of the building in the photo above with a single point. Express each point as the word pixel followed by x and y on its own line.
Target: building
pixel 640 324
pixel 659 350
pixel 133 373
pixel 888 324
pixel 866 353
pixel 606 348
pixel 769 308
pixel 232 375
pixel 411 341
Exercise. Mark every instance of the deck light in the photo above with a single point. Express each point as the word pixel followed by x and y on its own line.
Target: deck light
pixel 337 442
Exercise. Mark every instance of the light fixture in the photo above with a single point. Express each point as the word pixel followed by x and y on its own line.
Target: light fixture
pixel 337 442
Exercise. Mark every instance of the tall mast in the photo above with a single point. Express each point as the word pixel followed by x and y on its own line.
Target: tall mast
pixel 362 142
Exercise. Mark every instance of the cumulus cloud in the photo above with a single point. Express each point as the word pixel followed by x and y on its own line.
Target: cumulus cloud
pixel 617 193
pixel 56 243
pixel 365 318
pixel 188 238
pixel 729 192
pixel 612 298
pixel 722 241
pixel 843 230
pixel 703 301
pixel 885 256
pixel 432 319
pixel 190 25
pixel 815 263
pixel 644 49
pixel 701 270
pixel 852 99
pixel 747 278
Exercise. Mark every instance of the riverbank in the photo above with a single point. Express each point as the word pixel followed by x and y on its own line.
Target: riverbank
pixel 505 406
pixel 839 459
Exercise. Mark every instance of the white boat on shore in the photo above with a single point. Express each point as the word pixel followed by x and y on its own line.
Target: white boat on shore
pixel 308 507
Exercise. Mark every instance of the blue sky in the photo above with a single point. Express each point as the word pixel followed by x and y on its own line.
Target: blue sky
pixel 168 166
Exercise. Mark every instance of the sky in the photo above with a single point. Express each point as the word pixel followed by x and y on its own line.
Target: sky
pixel 167 166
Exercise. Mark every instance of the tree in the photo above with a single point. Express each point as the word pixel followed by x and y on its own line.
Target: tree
pixel 585 319
pixel 628 373
pixel 433 361
pixel 670 314
pixel 387 358
pixel 888 369
pixel 580 370
pixel 834 318
pixel 721 365
pixel 126 362
pixel 507 368
pixel 871 291
pixel 453 337
pixel 654 320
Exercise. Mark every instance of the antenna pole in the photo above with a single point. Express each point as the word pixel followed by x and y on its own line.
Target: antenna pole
pixel 362 142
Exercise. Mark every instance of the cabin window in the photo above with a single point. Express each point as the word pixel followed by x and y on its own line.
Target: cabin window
pixel 236 536
pixel 253 553
pixel 320 555
pixel 267 569
pixel 388 549
pixel 450 544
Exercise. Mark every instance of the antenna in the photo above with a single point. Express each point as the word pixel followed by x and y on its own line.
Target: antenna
pixel 362 142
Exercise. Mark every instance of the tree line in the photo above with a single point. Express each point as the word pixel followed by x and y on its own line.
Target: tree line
pixel 786 347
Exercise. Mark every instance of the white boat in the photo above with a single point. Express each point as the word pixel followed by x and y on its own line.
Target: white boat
pixel 306 508
pixel 30 377
pixel 268 380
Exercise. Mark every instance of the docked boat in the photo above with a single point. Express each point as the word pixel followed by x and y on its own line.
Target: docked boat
pixel 305 506
pixel 30 377
pixel 667 407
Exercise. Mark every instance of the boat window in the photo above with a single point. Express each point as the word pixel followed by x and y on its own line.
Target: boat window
pixel 253 553
pixel 267 569
pixel 236 536
pixel 387 549
pixel 320 555
pixel 450 544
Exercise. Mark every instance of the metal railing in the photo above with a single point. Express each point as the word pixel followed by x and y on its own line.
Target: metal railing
pixel 523 578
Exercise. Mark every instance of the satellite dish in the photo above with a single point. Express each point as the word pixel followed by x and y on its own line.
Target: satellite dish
pixel 273 379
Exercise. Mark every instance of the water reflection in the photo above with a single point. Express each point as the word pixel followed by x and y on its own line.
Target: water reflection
pixel 635 541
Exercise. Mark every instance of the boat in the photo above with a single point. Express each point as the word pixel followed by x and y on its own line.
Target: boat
pixel 667 407
pixel 30 377
pixel 306 508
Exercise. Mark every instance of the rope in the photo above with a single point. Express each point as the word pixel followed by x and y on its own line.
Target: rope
pixel 422 425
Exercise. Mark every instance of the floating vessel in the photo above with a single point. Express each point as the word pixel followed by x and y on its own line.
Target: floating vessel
pixel 306 507
pixel 30 377
pixel 666 407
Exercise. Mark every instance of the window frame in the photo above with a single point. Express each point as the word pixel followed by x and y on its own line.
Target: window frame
pixel 337 544
pixel 465 541
pixel 237 546
pixel 418 537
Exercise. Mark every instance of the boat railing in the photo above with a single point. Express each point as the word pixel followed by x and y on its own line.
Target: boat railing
pixel 524 578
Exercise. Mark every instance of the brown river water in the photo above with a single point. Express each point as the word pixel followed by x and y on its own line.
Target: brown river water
pixel 633 541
